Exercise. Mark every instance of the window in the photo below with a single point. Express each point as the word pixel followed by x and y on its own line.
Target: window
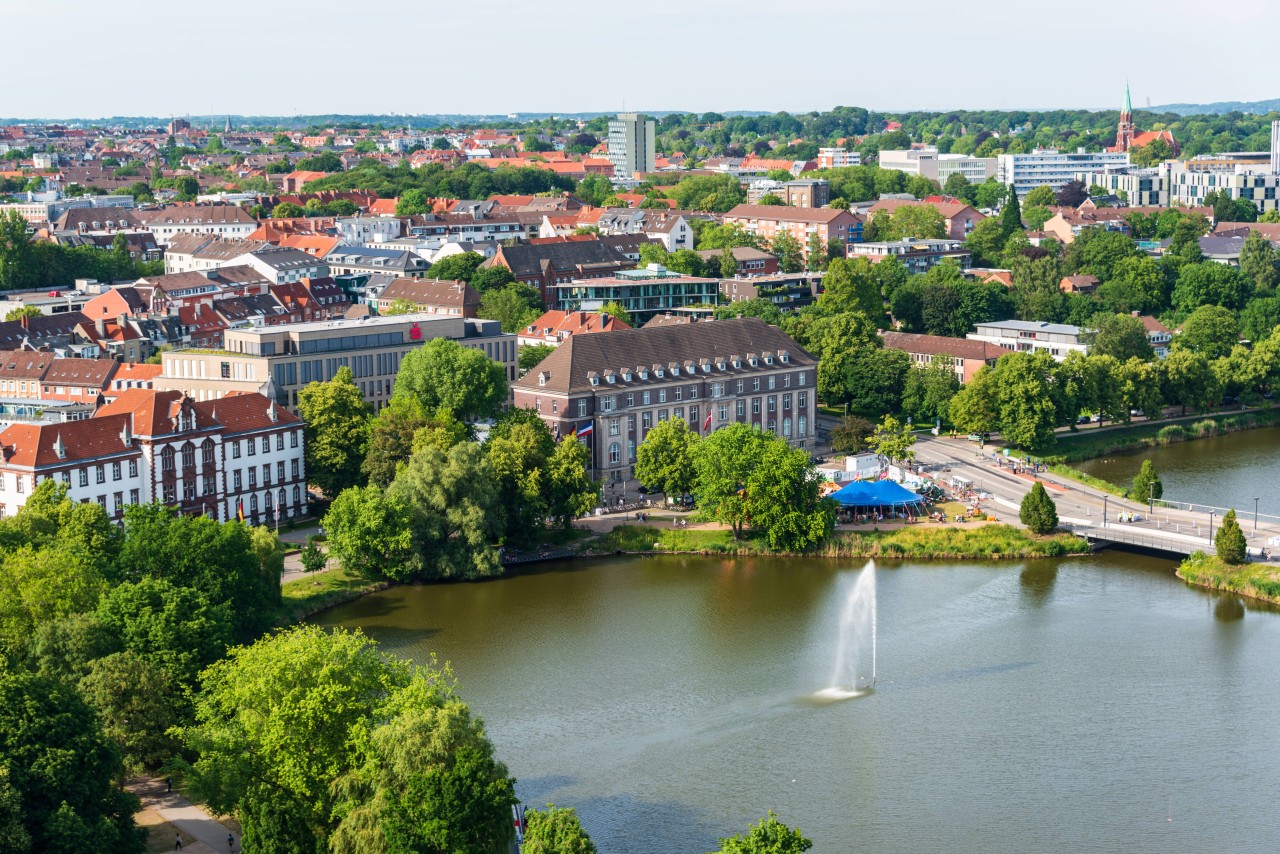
pixel 607 402
pixel 266 475
pixel 99 474
pixel 644 398
pixel 631 399
pixel 266 444
pixel 662 395
pixel 773 381
pixel 293 439
pixel 755 383
pixel 724 412
pixel 693 391
pixel 21 483
pixel 662 415
pixel 66 477
pixel 773 404
pixel 679 393
pixel 296 496
pixel 613 426
pixel 631 449
pixel 279 441
pixel 631 423
pixel 755 406
pixel 786 402
pixel 803 425
pixel 210 485
pixel 84 477
pixel 133 496
pixel 115 471
pixel 786 427
pixel 582 408
pixel 235 450
pixel 252 448
pixel 206 452
pixel 253 478
pixel 253 504
pixel 803 398
pixel 646 420
pixel 170 494
pixel 280 470
pixel 188 489
pixel 786 380
pixel 800 378
pixel 293 469
pixel 615 453
pixel 188 456
pixel 235 480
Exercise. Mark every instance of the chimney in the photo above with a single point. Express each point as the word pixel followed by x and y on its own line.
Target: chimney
pixel 101 326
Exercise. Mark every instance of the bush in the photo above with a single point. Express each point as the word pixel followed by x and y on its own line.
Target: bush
pixel 1146 485
pixel 1172 433
pixel 1038 512
pixel 1229 542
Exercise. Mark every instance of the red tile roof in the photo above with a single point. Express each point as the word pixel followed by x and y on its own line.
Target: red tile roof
pixel 39 445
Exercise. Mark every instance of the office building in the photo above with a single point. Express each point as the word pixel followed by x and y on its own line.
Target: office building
pixel 928 163
pixel 643 292
pixel 279 361
pixel 610 390
pixel 632 138
pixel 1048 167
pixel 1025 336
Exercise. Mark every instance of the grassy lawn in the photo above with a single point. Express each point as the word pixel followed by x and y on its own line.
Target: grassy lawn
pixel 1255 580
pixel 1087 445
pixel 305 596
pixel 918 541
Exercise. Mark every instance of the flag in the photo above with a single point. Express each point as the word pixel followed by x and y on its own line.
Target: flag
pixel 587 430
pixel 240 509
pixel 706 425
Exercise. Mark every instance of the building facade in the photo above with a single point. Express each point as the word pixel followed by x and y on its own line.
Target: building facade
pixel 1025 336
pixel 1141 187
pixel 802 224
pixel 610 390
pixel 632 140
pixel 916 254
pixel 240 457
pixel 279 361
pixel 1048 167
pixel 643 292
pixel 928 163
pixel 965 356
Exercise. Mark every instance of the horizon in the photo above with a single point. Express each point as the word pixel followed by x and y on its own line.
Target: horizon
pixel 707 54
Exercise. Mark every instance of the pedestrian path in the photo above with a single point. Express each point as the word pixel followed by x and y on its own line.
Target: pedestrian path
pixel 191 819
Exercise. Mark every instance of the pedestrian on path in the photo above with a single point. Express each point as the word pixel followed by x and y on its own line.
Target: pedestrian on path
pixel 177 843
pixel 231 844
pixel 168 782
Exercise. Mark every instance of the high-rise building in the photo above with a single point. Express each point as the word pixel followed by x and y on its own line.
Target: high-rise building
pixel 1275 147
pixel 632 139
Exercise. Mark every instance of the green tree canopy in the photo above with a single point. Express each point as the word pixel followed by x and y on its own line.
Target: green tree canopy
pixel 446 377
pixel 770 836
pixel 1119 335
pixel 664 460
pixel 337 430
pixel 1146 484
pixel 1038 511
pixel 1229 541
pixel 1209 330
pixel 555 830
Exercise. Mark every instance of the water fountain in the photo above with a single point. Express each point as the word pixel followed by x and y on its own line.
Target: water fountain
pixel 854 674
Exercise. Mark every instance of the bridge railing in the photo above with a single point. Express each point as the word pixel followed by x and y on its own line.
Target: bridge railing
pixel 1143 538
pixel 1241 514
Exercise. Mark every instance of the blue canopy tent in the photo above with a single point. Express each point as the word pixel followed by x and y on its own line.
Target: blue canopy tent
pixel 877 495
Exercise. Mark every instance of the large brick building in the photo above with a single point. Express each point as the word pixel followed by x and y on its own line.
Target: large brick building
pixel 612 389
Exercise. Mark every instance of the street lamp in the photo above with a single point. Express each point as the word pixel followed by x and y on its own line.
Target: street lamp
pixel 1211 526
pixel 1104 510
pixel 1255 515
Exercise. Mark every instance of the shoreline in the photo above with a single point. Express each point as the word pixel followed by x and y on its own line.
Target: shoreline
pixel 1134 438
pixel 1257 581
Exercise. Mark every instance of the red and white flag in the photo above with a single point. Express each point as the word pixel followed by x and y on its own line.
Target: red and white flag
pixel 706 425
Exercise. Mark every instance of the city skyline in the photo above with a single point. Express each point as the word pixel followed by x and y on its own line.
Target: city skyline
pixel 1009 48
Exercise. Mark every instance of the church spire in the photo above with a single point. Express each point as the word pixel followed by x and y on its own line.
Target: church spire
pixel 1128 104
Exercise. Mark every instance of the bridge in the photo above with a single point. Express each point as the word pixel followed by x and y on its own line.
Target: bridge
pixel 1168 527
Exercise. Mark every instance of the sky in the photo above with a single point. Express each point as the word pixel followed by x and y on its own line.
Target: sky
pixel 89 59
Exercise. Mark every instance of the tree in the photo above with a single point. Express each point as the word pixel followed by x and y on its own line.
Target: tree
pixel 138 702
pixel 1146 484
pixel 570 491
pixel 337 428
pixel 187 188
pixel 1208 283
pixel 531 355
pixel 287 210
pixel 1258 261
pixel 519 448
pixel 618 310
pixel 23 311
pixel 391 437
pixel 1210 330
pixel 850 285
pixel 850 435
pixel 987 241
pixel 1038 511
pixel 929 390
pixel 1119 335
pixel 399 305
pixel 40 585
pixel 783 499
pixel 454 511
pixel 893 440
pixel 1011 214
pixel 1042 196
pixel 16 253
pixel 723 463
pixel 428 780
pixel 460 267
pixel 912 220
pixel 1189 380
pixel 772 200
pixel 788 252
pixel 62 770
pixel 1072 194
pixel 1229 541
pixel 555 830
pixel 514 306
pixel 770 836
pixel 448 378
pixel 492 278
pixel 369 532
pixel 312 557
pixel 664 460
pixel 957 186
pixel 278 722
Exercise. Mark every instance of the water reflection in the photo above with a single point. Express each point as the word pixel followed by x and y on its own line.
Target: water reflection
pixel 1037 580
pixel 1228 609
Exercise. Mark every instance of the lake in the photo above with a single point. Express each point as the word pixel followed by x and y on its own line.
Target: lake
pixel 1088 704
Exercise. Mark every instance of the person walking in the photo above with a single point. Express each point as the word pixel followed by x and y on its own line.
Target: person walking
pixel 231 844
pixel 177 842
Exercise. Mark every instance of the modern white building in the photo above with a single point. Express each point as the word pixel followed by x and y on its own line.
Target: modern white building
pixel 1025 336
pixel 632 139
pixel 1140 187
pixel 928 163
pixel 1048 167
pixel 1252 184
pixel 837 158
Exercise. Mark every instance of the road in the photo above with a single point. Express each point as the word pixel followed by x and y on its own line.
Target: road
pixel 1078 505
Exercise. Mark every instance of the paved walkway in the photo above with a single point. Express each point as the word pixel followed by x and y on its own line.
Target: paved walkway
pixel 192 820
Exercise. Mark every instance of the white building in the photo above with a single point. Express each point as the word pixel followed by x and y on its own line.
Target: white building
pixel 240 456
pixel 928 163
pixel 219 220
pixel 1187 187
pixel 1141 187
pixel 837 158
pixel 632 139
pixel 1024 336
pixel 1048 167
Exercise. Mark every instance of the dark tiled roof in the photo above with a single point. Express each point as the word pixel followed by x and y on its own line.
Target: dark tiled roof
pixel 568 369
pixel 528 260
pixel 940 345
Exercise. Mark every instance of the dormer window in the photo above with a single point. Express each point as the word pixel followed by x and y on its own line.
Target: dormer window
pixel 784 356
pixel 626 376
pixel 644 374
pixel 594 378
pixel 752 360
pixel 658 373
pixel 610 378
pixel 542 378
pixel 768 358
pixel 675 370
pixel 720 363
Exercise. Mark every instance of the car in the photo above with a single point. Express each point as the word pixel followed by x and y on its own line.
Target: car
pixel 975 437
pixel 1095 417
pixel 1137 412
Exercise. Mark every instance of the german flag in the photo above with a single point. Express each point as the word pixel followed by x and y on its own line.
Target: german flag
pixel 240 509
